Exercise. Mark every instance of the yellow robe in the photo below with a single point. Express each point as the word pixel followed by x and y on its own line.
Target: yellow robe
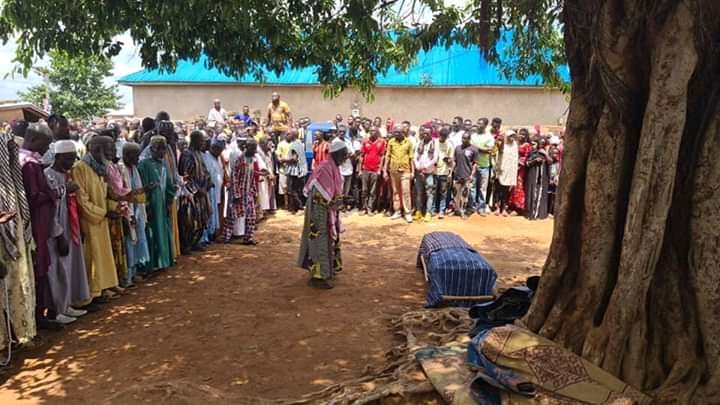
pixel 174 224
pixel 94 205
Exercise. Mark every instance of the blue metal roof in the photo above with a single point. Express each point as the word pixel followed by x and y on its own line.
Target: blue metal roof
pixel 456 66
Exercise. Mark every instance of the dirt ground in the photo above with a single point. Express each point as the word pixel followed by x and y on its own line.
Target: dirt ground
pixel 242 321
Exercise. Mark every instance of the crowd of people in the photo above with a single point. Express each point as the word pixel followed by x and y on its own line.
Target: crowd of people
pixel 87 210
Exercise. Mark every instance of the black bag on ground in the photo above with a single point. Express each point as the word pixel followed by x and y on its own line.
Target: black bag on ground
pixel 510 305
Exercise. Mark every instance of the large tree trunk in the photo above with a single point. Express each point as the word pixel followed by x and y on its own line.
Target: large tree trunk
pixel 632 281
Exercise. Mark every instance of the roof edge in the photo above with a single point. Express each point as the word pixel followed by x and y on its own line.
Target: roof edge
pixel 385 86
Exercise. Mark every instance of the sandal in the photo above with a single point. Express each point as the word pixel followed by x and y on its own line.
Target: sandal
pixel 249 242
pixel 320 284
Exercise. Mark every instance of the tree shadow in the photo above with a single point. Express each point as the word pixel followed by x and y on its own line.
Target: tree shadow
pixel 237 323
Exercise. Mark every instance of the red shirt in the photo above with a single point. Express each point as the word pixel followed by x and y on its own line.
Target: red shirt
pixel 372 153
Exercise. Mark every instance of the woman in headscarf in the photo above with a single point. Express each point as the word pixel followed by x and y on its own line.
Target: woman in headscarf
pixel 506 169
pixel 517 197
pixel 538 180
pixel 320 242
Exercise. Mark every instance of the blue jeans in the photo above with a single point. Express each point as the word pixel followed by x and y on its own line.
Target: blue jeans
pixel 479 190
pixel 442 192
pixel 424 192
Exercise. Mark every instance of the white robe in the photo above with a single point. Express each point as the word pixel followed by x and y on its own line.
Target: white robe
pixel 507 165
pixel 264 192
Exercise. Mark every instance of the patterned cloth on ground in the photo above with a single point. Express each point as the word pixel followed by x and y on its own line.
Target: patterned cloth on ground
pixel 517 367
pixel 448 372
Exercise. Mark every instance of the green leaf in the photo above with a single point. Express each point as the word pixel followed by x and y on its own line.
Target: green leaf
pixel 75 85
pixel 348 41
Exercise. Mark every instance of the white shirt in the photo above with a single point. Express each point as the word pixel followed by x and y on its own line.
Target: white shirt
pixel 346 168
pixel 217 117
pixel 260 159
pixel 456 137
pixel 424 162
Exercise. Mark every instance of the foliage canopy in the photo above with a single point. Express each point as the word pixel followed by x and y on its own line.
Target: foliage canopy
pixel 75 85
pixel 349 41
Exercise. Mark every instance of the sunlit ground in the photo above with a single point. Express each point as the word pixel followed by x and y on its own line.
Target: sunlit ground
pixel 241 321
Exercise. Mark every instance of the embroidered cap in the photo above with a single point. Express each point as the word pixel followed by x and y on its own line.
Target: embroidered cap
pixel 64 146
pixel 337 145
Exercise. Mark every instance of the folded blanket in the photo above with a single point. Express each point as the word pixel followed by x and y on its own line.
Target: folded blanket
pixel 517 367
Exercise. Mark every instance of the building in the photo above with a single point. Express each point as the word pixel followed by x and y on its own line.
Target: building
pixel 125 112
pixel 442 83
pixel 19 111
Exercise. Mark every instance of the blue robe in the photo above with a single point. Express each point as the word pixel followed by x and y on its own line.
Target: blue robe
pixel 136 244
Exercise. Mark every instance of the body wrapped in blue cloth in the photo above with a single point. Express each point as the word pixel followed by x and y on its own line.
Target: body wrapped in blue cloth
pixel 454 269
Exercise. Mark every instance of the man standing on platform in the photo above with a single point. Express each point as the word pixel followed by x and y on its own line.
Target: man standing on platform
pixel 278 114
pixel 217 115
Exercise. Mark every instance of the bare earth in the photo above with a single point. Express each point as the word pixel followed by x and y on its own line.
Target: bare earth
pixel 242 321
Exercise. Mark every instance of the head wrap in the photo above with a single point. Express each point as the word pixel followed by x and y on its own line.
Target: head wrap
pixel 510 133
pixel 219 141
pixel 337 145
pixel 38 129
pixel 147 124
pixel 158 139
pixel 65 146
pixel 88 136
pixel 131 146
pixel 554 140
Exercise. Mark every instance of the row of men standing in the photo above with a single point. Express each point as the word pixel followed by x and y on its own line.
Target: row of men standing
pixel 74 233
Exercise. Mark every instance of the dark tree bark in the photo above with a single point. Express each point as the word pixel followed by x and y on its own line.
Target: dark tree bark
pixel 632 280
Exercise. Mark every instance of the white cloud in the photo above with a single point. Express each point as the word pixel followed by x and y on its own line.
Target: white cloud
pixel 128 61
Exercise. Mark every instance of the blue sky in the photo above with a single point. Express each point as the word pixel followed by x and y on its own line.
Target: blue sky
pixel 125 63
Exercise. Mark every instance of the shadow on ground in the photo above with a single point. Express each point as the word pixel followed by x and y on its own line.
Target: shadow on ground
pixel 237 323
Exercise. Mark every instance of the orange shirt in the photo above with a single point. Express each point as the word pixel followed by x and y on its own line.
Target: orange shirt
pixel 321 151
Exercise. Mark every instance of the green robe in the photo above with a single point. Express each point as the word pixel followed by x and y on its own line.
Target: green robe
pixel 159 232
